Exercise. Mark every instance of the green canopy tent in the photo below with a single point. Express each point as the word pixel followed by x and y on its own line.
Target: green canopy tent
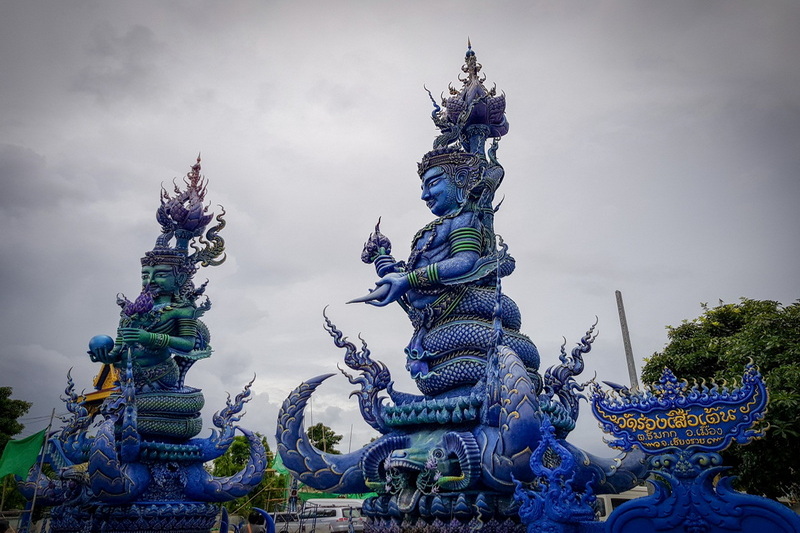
pixel 278 466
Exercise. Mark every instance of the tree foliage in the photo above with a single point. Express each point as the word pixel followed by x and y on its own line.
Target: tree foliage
pixel 324 438
pixel 269 495
pixel 10 413
pixel 717 345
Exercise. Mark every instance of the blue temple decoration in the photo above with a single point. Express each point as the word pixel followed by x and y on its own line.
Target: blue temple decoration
pixel 450 457
pixel 136 463
pixel 552 504
pixel 672 415
pixel 682 428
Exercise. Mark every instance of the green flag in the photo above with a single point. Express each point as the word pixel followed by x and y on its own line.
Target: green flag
pixel 20 455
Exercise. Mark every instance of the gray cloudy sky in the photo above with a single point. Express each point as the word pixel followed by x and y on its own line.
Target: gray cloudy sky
pixel 654 148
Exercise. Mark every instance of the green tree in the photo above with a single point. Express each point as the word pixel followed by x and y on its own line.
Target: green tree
pixel 324 438
pixel 717 345
pixel 10 413
pixel 269 495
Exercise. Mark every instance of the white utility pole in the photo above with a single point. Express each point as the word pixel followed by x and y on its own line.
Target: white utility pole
pixel 626 340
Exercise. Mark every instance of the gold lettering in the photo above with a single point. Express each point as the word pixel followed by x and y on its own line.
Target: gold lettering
pixel 677 418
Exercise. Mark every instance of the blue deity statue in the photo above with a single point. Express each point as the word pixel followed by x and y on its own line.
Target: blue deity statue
pixel 140 467
pixel 448 458
pixel 447 285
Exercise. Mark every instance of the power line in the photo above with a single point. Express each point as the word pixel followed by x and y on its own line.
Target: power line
pixel 40 418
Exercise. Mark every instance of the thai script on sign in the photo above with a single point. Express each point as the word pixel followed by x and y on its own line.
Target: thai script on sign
pixel 676 418
pixel 673 415
pixel 677 427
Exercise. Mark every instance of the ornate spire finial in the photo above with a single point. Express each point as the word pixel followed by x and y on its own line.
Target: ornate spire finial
pixel 472 114
pixel 471 68
pixel 194 173
pixel 185 218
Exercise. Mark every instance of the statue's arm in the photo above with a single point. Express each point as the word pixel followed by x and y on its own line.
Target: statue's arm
pixel 432 275
pixel 187 335
pixel 464 245
pixel 180 339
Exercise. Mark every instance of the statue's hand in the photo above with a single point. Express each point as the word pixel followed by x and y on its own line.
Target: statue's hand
pixel 102 355
pixel 377 293
pixel 389 288
pixel 377 245
pixel 398 285
pixel 134 335
pixel 103 350
pixel 98 355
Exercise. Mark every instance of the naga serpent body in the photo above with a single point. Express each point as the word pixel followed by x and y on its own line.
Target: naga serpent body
pixel 450 349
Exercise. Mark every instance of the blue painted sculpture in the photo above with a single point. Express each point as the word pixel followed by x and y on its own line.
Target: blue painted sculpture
pixel 448 459
pixel 554 503
pixel 142 470
pixel 682 428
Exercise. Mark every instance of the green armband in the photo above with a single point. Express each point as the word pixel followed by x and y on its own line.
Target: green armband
pixel 187 327
pixel 424 277
pixel 159 340
pixel 465 240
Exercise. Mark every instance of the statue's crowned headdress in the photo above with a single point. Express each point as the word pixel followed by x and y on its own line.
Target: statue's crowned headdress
pixel 185 218
pixel 466 119
pixel 470 115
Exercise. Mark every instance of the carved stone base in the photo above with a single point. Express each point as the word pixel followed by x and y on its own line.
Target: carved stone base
pixel 446 513
pixel 175 517
pixel 437 525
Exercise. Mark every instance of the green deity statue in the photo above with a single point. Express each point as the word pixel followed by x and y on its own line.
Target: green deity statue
pixel 159 332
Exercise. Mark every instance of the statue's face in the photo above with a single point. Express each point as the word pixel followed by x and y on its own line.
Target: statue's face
pixel 161 279
pixel 439 192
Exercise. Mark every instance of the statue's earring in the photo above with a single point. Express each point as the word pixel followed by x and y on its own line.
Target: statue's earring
pixel 461 177
pixel 180 282
pixel 460 181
